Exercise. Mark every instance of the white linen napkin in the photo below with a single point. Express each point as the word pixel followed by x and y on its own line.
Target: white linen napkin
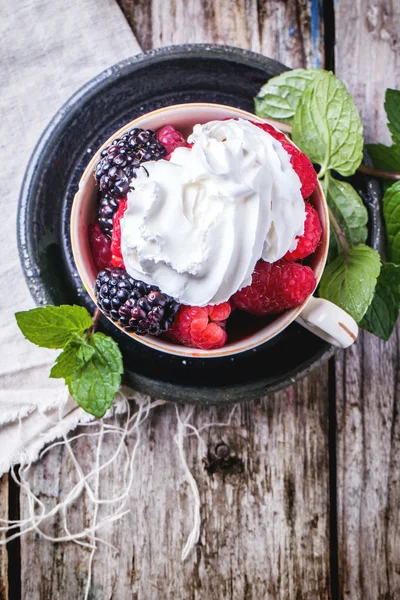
pixel 48 49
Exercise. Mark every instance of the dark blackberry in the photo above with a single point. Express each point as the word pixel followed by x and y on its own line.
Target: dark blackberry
pixel 119 162
pixel 135 305
pixel 108 206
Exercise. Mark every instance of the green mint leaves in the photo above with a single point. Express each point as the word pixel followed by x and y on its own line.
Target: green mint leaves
pixel 52 327
pixel 326 123
pixel 90 363
pixel 391 213
pixel 327 126
pixel 94 385
pixel 350 280
pixel 381 317
pixel 77 352
pixel 350 213
pixel 279 97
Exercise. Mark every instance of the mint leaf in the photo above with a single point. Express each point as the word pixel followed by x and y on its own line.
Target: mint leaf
pixel 52 326
pixel 327 126
pixel 77 352
pixel 84 354
pixel 94 386
pixel 66 362
pixel 391 213
pixel 381 317
pixel 349 281
pixel 385 157
pixel 392 107
pixel 279 97
pixel 350 213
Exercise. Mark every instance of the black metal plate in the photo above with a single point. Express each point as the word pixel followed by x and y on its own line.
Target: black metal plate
pixel 173 75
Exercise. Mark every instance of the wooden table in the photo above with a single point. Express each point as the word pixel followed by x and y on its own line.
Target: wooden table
pixel 308 508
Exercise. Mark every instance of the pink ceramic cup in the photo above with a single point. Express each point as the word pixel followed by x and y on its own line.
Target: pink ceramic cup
pixel 323 318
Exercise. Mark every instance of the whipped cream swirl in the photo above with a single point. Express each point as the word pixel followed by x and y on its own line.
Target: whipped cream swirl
pixel 196 225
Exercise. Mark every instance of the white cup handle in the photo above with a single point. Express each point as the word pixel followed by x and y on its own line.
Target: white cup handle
pixel 329 322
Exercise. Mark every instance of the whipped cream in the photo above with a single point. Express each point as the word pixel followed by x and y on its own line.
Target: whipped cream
pixel 196 225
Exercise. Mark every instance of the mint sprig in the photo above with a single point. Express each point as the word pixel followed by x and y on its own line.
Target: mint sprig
pixel 91 363
pixel 327 127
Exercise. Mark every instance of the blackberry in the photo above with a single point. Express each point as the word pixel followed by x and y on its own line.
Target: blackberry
pixel 108 206
pixel 119 162
pixel 135 305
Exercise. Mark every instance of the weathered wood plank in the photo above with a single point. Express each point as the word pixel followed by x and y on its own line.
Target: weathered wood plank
pixel 290 32
pixel 368 450
pixel 368 383
pixel 372 64
pixel 3 549
pixel 265 525
pixel 265 519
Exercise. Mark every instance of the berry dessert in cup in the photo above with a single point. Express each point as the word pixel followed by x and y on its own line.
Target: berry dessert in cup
pixel 192 218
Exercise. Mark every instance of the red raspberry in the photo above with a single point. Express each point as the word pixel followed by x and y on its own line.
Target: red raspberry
pixel 275 287
pixel 307 243
pixel 117 260
pixel 201 327
pixel 169 137
pixel 301 164
pixel 101 247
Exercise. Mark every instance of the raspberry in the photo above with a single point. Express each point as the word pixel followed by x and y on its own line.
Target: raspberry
pixel 275 287
pixel 171 138
pixel 101 247
pixel 117 260
pixel 201 327
pixel 301 164
pixel 307 243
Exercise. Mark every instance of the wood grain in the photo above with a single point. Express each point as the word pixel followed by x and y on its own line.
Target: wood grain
pixel 3 549
pixel 291 32
pixel 265 522
pixel 372 64
pixel 368 460
pixel 368 383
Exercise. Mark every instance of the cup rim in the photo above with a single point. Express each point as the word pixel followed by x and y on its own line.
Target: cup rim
pixel 273 328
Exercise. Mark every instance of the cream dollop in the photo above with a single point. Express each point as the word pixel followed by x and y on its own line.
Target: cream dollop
pixel 196 225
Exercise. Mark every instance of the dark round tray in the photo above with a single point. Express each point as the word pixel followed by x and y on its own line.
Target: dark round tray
pixel 173 75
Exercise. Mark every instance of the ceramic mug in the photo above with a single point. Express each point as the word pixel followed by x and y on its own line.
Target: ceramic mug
pixel 322 317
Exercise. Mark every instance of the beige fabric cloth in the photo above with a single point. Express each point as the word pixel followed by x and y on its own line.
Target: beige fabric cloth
pixel 48 49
